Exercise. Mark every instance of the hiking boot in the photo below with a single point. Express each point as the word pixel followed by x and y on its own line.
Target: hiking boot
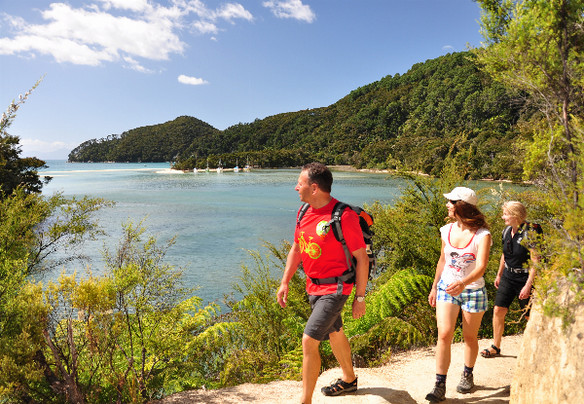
pixel 466 383
pixel 437 394
pixel 339 387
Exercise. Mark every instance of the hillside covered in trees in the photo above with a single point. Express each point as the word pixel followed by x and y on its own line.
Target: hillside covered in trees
pixel 410 121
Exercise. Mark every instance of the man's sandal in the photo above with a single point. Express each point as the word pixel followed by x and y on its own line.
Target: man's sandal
pixel 339 387
pixel 487 353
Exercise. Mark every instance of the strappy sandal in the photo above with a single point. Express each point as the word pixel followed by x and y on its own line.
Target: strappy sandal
pixel 486 353
pixel 339 387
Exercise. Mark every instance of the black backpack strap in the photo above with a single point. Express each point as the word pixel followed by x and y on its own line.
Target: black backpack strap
pixel 506 231
pixel 301 213
pixel 335 224
pixel 345 277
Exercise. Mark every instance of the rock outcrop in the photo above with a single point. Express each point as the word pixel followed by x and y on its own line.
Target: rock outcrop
pixel 550 366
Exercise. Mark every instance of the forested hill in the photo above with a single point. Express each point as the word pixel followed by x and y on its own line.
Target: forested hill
pixel 409 121
pixel 163 142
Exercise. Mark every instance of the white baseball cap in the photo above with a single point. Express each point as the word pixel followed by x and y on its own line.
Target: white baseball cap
pixel 462 194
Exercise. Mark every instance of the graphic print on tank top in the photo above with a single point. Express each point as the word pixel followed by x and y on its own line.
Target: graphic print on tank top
pixel 461 262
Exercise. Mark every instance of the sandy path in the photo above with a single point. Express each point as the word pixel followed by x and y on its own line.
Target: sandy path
pixel 405 380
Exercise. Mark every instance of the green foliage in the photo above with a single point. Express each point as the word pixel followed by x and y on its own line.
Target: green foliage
pixel 409 122
pixel 16 171
pixel 21 339
pixel 407 233
pixel 46 231
pixel 128 336
pixel 537 47
pixel 268 334
pixel 182 137
pixel 398 316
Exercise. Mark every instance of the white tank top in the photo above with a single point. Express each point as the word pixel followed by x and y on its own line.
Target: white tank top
pixel 460 262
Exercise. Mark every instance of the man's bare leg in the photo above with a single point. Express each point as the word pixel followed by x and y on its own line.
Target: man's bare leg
pixel 310 367
pixel 342 351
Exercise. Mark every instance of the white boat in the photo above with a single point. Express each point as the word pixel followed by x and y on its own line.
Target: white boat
pixel 236 168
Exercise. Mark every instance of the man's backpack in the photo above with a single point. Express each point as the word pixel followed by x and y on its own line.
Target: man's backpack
pixel 365 221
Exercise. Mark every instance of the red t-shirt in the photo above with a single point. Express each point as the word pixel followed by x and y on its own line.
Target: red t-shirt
pixel 322 255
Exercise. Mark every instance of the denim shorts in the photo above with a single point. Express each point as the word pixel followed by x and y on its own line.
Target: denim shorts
pixel 326 316
pixel 470 300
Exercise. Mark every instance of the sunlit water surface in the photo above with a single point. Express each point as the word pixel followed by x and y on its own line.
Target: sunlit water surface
pixel 216 218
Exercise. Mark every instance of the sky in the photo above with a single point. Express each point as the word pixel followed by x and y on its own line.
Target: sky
pixel 108 66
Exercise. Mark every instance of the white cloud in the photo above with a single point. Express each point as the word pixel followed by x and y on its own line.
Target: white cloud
pixel 290 9
pixel 209 18
pixel 205 27
pixel 193 81
pixel 135 65
pixel 231 11
pixel 115 30
pixel 32 146
pixel 134 5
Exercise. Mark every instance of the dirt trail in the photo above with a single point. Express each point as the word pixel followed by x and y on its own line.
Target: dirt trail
pixel 406 379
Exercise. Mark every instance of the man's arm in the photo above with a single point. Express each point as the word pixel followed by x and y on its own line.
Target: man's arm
pixel 292 262
pixel 361 278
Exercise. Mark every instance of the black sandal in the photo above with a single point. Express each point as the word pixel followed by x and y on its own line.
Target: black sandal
pixel 339 387
pixel 486 353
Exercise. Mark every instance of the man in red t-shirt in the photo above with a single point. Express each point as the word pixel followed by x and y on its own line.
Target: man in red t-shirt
pixel 322 256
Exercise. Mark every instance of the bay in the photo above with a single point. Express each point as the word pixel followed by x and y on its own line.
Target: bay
pixel 216 217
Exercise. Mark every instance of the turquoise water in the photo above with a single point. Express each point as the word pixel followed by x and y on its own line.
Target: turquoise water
pixel 216 218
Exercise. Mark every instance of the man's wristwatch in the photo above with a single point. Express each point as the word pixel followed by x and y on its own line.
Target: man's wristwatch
pixel 360 299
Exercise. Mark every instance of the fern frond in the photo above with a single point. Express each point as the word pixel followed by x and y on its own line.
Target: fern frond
pixel 390 299
pixel 216 336
pixel 372 347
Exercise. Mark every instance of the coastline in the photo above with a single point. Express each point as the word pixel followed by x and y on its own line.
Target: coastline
pixel 348 168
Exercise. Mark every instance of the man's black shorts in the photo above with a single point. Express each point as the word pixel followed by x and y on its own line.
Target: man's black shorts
pixel 509 289
pixel 326 316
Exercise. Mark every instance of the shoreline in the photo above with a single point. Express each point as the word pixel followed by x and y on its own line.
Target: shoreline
pixel 347 168
pixel 339 168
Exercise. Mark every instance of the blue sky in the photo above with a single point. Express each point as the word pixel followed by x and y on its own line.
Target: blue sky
pixel 113 65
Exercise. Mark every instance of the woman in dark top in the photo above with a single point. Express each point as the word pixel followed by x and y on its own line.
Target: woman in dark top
pixel 515 275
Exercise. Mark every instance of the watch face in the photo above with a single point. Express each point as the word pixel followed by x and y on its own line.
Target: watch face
pixel 360 299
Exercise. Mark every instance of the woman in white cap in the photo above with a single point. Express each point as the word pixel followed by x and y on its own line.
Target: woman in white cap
pixel 459 286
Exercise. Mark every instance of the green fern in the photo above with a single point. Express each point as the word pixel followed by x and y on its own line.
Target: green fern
pixel 289 367
pixel 390 299
pixel 397 315
pixel 370 348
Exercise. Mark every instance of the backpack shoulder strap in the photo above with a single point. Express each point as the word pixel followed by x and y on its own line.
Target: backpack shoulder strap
pixel 335 221
pixel 506 231
pixel 301 213
pixel 337 228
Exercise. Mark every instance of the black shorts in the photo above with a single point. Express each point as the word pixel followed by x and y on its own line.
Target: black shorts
pixel 509 289
pixel 326 316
